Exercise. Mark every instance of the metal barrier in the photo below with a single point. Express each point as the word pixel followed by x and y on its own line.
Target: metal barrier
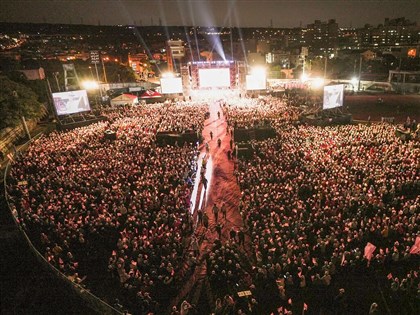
pixel 390 120
pixel 92 300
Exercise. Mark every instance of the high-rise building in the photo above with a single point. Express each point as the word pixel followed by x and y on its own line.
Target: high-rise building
pixel 394 32
pixel 322 37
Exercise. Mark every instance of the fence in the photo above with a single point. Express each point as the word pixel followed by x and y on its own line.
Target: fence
pixel 390 120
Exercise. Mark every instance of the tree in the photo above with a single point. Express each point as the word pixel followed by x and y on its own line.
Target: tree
pixel 8 64
pixel 17 100
pixel 37 86
pixel 119 73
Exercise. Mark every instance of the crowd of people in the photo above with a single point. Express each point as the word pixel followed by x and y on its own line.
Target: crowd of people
pixel 92 205
pixel 316 203
pixel 313 198
pixel 250 112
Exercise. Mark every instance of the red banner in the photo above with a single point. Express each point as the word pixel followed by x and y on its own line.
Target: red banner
pixel 415 249
pixel 369 249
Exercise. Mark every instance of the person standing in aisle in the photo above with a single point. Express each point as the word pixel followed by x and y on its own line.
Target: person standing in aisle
pixel 215 212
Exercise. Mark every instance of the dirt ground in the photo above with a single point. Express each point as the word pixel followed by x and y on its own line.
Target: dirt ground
pixel 398 106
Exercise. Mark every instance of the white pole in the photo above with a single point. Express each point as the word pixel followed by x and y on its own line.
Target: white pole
pixel 97 76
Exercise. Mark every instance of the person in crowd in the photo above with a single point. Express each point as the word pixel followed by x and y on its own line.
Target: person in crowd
pixel 223 210
pixel 218 228
pixel 215 211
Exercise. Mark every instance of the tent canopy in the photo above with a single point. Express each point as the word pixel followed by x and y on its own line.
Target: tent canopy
pixel 124 99
pixel 150 94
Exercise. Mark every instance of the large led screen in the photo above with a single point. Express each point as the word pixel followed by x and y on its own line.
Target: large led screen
pixel 66 103
pixel 210 78
pixel 333 96
pixel 171 85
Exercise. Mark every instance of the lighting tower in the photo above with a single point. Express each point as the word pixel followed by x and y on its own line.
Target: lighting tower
pixel 71 80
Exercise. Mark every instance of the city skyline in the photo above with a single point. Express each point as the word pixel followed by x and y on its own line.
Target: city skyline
pixel 239 13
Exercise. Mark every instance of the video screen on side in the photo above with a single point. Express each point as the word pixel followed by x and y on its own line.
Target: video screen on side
pixel 333 96
pixel 73 102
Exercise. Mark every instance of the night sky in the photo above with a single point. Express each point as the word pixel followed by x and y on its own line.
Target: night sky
pixel 244 13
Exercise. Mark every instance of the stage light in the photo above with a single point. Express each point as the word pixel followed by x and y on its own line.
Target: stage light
pixel 168 75
pixel 317 82
pixel 304 77
pixel 90 85
pixel 354 81
pixel 257 80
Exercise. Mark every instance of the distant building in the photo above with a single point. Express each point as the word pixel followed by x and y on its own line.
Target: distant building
pixel 263 46
pixel 137 62
pixel 284 59
pixel 322 37
pixel 394 32
pixel 368 55
pixel 256 59
pixel 34 74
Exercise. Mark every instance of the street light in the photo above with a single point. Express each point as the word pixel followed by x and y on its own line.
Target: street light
pixel 103 68
pixel 360 71
pixel 317 83
pixel 91 72
pixel 90 85
pixel 354 82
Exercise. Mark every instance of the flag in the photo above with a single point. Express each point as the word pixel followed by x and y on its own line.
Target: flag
pixel 415 249
pixel 343 259
pixel 60 168
pixel 389 276
pixel 305 306
pixel 369 249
